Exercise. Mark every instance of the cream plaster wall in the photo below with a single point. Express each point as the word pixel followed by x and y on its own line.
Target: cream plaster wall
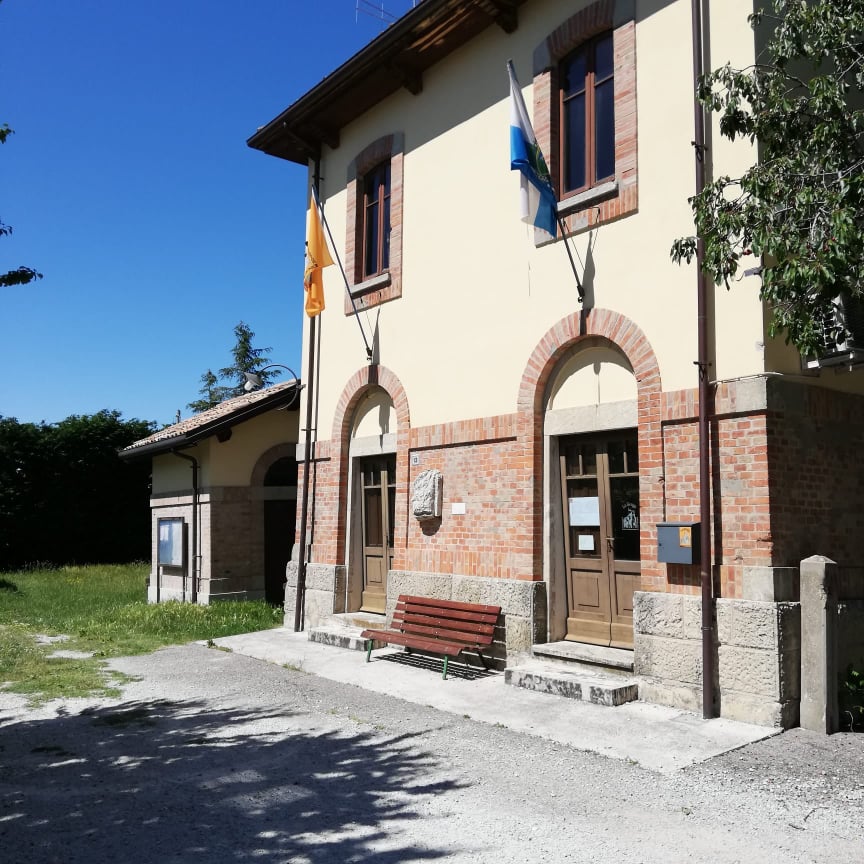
pixel 477 295
pixel 229 463
pixel 375 416
pixel 233 461
pixel 593 376
pixel 173 474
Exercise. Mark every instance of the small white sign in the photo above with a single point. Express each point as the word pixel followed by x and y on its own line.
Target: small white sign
pixel 586 542
pixel 458 508
pixel 585 511
pixel 415 459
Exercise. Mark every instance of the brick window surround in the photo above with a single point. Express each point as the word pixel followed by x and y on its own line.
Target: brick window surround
pixel 619 197
pixel 387 285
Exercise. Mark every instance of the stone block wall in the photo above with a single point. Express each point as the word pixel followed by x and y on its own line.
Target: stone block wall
pixel 522 602
pixel 757 647
pixel 325 593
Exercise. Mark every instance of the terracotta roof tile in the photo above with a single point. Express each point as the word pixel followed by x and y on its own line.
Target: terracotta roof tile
pixel 222 411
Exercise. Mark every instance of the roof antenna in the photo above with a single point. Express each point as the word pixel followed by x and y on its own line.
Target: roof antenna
pixel 376 10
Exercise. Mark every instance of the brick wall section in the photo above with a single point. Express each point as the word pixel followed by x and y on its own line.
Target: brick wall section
pixel 589 22
pixel 481 466
pixel 236 540
pixel 816 453
pixel 785 476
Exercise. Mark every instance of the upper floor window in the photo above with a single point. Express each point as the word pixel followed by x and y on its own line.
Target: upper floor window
pixel 376 220
pixel 373 245
pixel 587 119
pixel 585 113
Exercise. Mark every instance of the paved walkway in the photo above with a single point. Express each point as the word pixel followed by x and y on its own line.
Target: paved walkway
pixel 658 738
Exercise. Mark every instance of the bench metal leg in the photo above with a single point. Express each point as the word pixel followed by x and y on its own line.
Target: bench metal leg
pixel 368 650
pixel 444 676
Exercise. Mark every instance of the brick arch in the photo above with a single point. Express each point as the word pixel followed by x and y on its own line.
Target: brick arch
pixel 560 339
pixel 563 336
pixel 355 389
pixel 267 458
pixel 357 386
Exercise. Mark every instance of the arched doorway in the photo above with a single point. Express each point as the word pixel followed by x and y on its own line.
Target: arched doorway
pixel 280 510
pixel 593 487
pixel 372 455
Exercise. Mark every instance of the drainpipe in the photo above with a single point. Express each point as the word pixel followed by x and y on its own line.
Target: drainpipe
pixel 702 363
pixel 194 462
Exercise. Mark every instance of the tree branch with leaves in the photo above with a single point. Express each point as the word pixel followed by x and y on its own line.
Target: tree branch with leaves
pixel 800 208
pixel 20 275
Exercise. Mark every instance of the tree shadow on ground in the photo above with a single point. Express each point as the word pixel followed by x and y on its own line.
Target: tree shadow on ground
pixel 162 780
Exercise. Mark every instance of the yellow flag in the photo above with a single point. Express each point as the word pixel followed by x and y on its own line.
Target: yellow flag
pixel 317 257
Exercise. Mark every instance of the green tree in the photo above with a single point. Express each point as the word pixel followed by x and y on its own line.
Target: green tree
pixel 247 358
pixel 211 393
pixel 67 497
pixel 229 383
pixel 800 208
pixel 20 275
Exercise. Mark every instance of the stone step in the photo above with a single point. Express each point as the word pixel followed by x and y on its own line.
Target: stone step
pixel 573 683
pixel 338 637
pixel 592 659
pixel 358 620
pixel 341 636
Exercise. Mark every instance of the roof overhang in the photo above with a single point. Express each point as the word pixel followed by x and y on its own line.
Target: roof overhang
pixel 397 58
pixel 219 426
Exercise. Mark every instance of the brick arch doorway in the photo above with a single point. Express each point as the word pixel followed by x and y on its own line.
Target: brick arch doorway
pixel 279 491
pixel 589 400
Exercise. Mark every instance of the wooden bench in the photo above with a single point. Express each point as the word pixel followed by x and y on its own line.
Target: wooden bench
pixel 438 627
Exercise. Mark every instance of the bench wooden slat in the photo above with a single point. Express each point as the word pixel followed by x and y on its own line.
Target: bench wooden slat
pixel 447 635
pixel 436 646
pixel 449 604
pixel 447 623
pixel 417 609
pixel 443 627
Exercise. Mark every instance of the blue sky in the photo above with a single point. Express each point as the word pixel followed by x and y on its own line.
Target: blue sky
pixel 129 185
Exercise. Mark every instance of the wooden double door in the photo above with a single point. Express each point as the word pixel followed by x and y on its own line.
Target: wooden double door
pixel 378 505
pixel 600 499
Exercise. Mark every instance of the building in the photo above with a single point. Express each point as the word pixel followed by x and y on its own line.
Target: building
pixel 559 435
pixel 223 499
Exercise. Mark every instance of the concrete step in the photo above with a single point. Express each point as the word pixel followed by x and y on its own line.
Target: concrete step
pixel 593 659
pixel 573 683
pixel 358 620
pixel 343 631
pixel 338 637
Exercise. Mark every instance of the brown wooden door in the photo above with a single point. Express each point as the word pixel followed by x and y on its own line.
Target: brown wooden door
pixel 378 504
pixel 600 498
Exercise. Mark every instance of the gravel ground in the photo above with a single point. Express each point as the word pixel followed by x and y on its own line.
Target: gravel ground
pixel 216 757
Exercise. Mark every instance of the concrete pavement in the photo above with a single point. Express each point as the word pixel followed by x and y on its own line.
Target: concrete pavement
pixel 658 738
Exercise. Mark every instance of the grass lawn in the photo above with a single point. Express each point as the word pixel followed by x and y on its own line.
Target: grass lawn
pixel 102 609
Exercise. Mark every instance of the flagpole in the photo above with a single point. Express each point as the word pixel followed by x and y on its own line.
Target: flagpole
pixel 300 594
pixel 326 225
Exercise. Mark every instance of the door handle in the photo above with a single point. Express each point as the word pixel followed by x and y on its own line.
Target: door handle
pixel 610 541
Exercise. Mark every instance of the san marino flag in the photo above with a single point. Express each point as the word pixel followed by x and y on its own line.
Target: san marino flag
pixel 537 204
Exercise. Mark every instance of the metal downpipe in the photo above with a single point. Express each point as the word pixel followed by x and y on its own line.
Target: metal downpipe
pixel 702 363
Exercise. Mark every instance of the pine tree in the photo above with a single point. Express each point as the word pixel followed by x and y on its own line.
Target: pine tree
pixel 230 380
pixel 211 393
pixel 246 359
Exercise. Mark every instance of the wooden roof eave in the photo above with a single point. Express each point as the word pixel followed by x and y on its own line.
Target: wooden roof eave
pixel 395 59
